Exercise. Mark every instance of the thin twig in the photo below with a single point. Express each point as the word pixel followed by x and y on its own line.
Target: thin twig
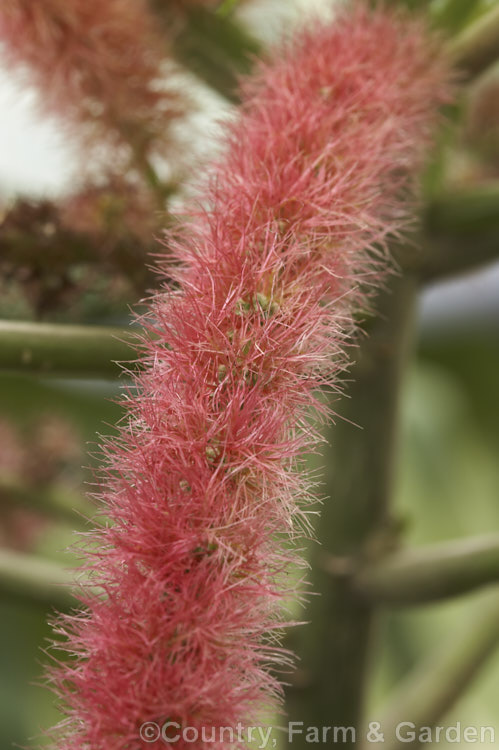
pixel 432 690
pixel 64 350
pixel 35 579
pixel 477 47
pixel 432 572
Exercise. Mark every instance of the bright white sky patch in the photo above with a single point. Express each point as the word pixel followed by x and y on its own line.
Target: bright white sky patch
pixel 35 157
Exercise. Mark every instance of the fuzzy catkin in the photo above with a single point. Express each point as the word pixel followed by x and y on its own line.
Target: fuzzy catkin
pixel 204 485
pixel 95 63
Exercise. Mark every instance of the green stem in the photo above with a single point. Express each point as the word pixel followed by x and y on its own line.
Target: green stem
pixel 64 350
pixel 431 573
pixel 217 50
pixel 36 579
pixel 213 46
pixel 334 647
pixel 468 211
pixel 460 232
pixel 477 47
pixel 436 685
pixel 451 15
pixel 227 7
pixel 159 189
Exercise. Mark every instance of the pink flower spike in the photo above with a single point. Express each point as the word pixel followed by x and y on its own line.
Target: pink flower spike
pixel 205 484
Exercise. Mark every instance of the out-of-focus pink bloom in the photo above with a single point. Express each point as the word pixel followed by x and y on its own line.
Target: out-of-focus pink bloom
pixel 30 462
pixel 94 61
pixel 205 485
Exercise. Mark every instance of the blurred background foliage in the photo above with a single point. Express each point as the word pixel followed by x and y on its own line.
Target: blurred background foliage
pixel 447 488
pixel 53 269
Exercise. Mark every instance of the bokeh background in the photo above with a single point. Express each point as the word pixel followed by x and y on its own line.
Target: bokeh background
pixel 448 472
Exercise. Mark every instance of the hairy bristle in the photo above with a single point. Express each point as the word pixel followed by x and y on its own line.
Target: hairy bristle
pixel 205 485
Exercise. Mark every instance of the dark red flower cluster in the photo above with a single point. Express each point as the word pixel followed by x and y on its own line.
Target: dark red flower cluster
pixel 205 485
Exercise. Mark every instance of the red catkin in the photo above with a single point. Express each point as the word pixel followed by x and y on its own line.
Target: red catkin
pixel 204 484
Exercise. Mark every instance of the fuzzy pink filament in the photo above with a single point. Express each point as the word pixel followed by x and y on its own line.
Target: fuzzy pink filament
pixel 205 486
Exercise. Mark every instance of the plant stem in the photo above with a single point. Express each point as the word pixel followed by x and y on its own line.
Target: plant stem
pixel 469 212
pixel 226 7
pixel 436 685
pixel 475 48
pixel 460 232
pixel 64 350
pixel 431 573
pixel 355 523
pixel 34 578
pixel 211 45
